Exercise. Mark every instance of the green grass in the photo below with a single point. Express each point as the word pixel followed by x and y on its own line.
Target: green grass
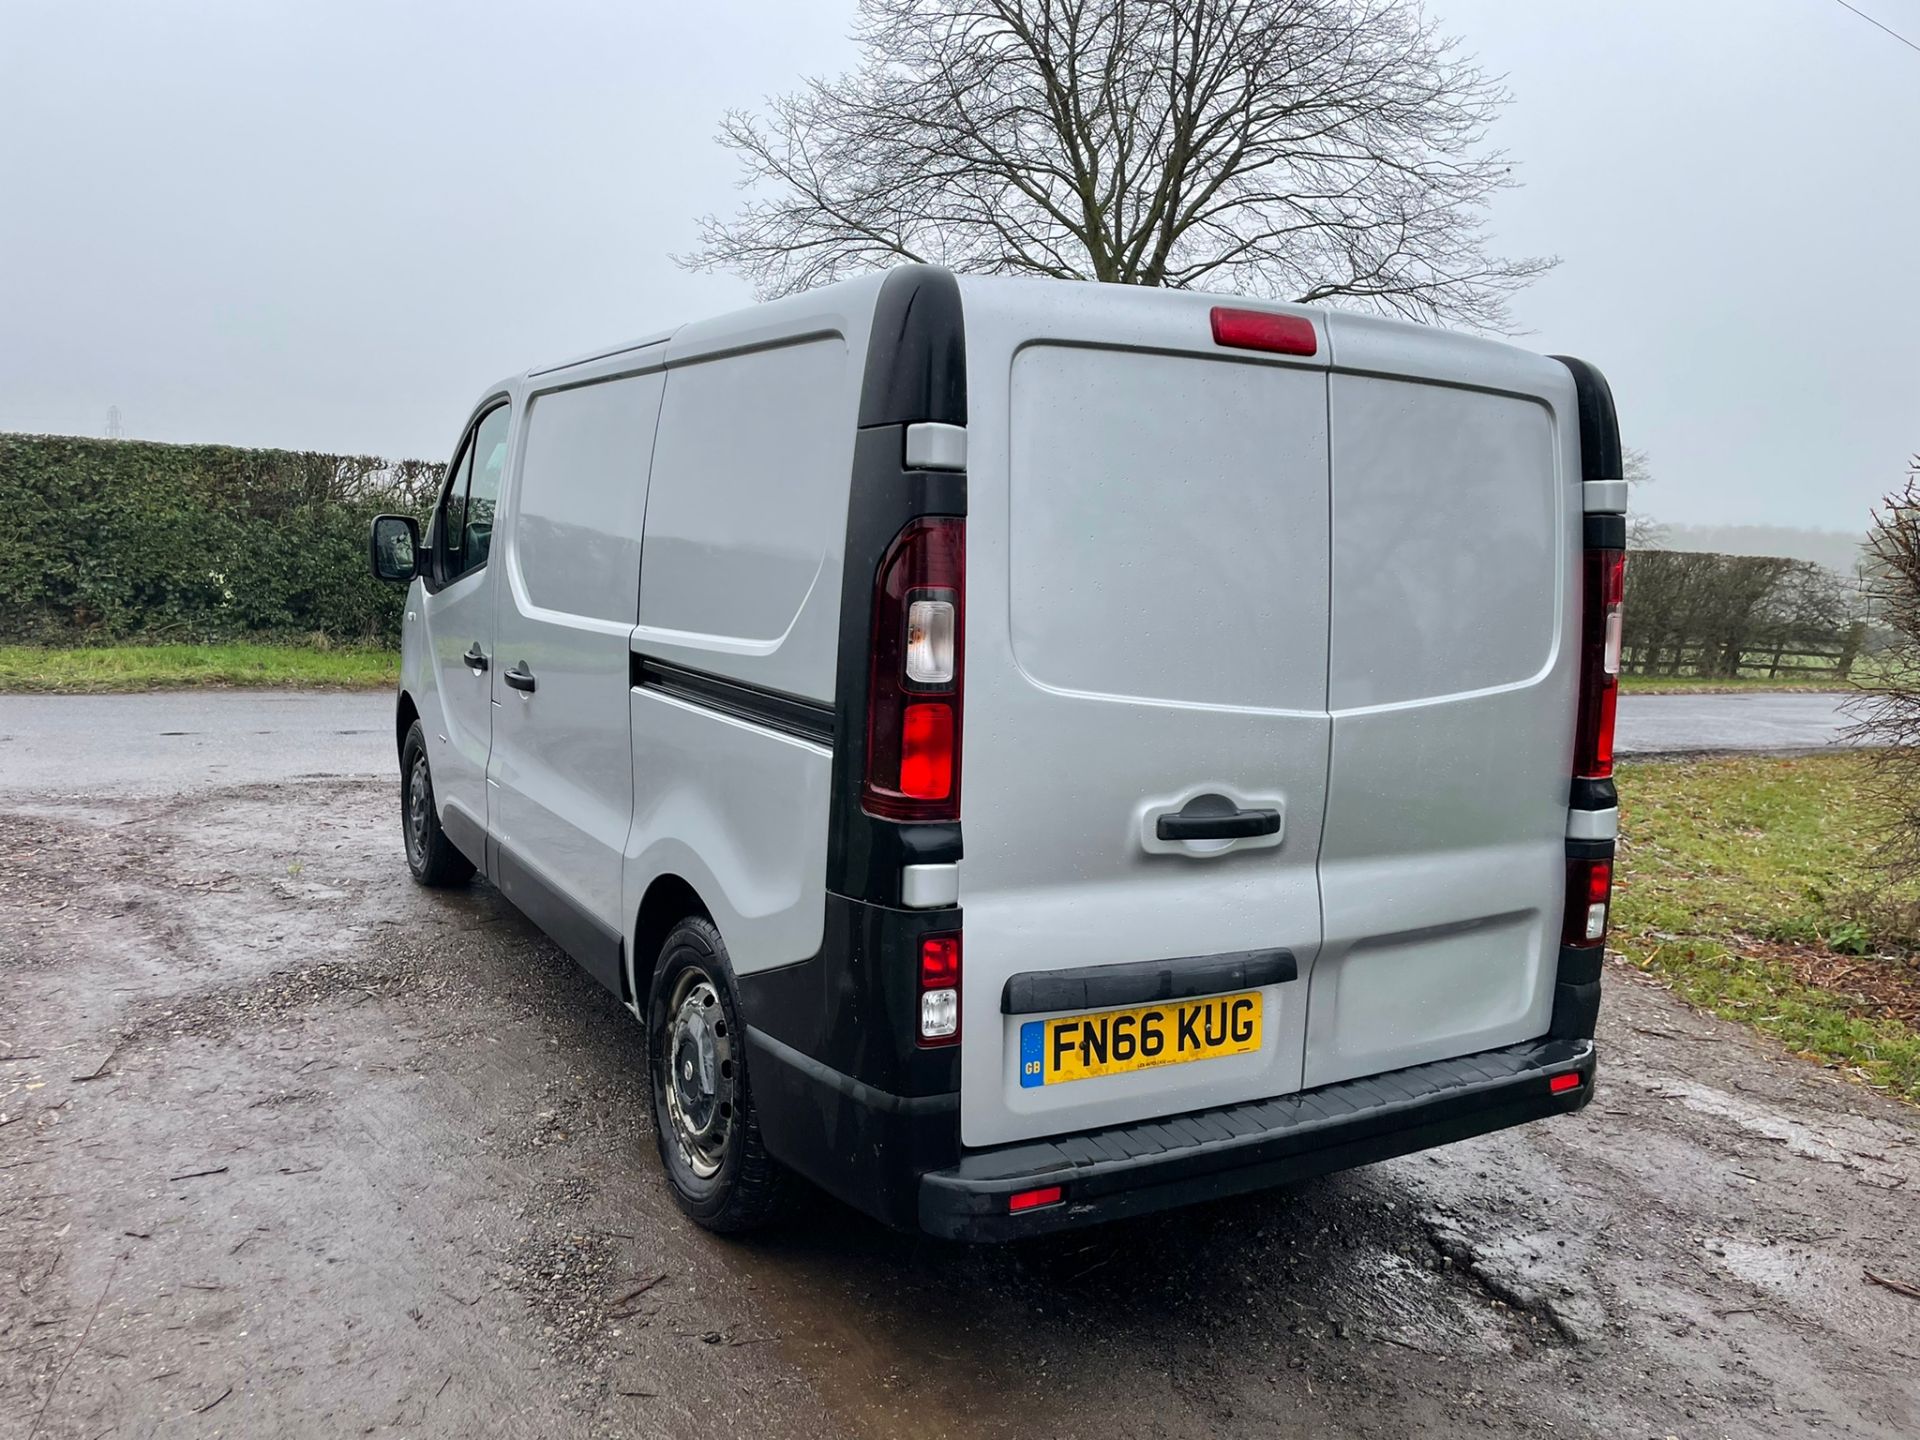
pixel 1747 886
pixel 92 670
pixel 1706 685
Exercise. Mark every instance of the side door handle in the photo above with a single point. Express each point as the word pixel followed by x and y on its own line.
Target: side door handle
pixel 1233 825
pixel 520 678
pixel 476 659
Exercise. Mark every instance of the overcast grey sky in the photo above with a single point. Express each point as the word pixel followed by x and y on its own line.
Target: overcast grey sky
pixel 327 225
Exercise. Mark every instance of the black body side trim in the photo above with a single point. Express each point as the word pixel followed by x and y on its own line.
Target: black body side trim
pixel 1037 992
pixel 854 1006
pixel 596 949
pixel 1576 992
pixel 1156 1164
pixel 468 837
pixel 864 1146
pixel 846 1097
pixel 1580 964
pixel 1605 532
pixel 1576 1010
pixel 1589 849
pixel 856 1090
pixel 917 354
pixel 775 709
pixel 1593 795
pixel 916 370
pixel 1600 455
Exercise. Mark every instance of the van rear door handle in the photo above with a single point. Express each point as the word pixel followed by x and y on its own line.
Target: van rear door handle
pixel 520 678
pixel 476 659
pixel 1234 825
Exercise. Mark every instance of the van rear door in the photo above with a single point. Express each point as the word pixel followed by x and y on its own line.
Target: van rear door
pixel 1451 685
pixel 1147 595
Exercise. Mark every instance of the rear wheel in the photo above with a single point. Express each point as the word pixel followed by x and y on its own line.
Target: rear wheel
pixel 703 1113
pixel 432 858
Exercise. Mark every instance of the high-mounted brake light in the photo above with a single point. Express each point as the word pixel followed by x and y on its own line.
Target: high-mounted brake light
pixel 1589 894
pixel 939 989
pixel 1264 330
pixel 915 685
pixel 1604 590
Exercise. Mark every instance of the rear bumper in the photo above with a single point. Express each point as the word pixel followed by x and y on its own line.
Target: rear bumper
pixel 1154 1165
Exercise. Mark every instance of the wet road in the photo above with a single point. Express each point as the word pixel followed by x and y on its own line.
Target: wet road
pixel 165 743
pixel 291 1147
pixel 157 744
pixel 1677 724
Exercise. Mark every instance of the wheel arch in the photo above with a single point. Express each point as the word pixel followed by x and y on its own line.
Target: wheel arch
pixel 405 713
pixel 669 900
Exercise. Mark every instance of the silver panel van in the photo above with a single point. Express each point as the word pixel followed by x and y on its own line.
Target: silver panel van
pixel 1033 752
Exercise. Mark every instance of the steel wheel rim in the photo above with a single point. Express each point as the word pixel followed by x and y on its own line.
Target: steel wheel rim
pixel 419 806
pixel 698 1076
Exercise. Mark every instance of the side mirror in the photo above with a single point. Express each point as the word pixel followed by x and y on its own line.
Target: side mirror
pixel 395 548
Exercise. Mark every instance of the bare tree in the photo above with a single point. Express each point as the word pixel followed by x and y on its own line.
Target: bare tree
pixel 1643 531
pixel 1888 707
pixel 1295 149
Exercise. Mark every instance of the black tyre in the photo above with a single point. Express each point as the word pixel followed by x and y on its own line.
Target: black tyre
pixel 431 857
pixel 703 1114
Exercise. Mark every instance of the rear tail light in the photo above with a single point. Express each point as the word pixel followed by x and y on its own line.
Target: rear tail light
pixel 915 687
pixel 1604 590
pixel 939 989
pixel 1589 893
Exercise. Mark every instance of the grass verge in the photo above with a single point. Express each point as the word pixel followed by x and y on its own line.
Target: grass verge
pixel 1747 887
pixel 1714 685
pixel 94 670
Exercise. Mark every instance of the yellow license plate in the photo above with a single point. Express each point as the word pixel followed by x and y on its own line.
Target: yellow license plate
pixel 1112 1042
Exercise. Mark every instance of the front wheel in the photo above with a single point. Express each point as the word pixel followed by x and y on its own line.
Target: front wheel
pixel 703 1113
pixel 432 858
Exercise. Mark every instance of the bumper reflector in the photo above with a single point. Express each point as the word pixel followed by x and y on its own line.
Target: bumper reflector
pixel 1561 1084
pixel 1033 1199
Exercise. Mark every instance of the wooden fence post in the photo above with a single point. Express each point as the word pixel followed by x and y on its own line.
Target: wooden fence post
pixel 1850 647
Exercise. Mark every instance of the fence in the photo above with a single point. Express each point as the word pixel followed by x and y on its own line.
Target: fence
pixel 1705 614
pixel 1785 659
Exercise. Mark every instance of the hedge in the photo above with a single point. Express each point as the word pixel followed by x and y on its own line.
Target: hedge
pixel 111 540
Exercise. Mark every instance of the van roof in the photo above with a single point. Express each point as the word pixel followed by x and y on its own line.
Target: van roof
pixel 1356 339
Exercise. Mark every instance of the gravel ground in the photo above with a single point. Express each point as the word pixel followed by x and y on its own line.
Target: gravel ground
pixel 290 1147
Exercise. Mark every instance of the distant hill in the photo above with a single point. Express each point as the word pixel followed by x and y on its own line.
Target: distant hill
pixel 1835 549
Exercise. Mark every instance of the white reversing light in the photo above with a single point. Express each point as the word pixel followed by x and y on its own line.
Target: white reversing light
pixel 930 642
pixel 939 1013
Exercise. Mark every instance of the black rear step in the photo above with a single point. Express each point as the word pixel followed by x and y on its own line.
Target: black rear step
pixel 1156 1164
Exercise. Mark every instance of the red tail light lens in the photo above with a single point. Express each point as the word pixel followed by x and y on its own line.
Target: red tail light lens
pixel 939 989
pixel 1034 1199
pixel 926 751
pixel 1604 592
pixel 1589 895
pixel 915 686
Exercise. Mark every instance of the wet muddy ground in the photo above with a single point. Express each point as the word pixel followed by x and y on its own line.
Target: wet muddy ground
pixel 291 1147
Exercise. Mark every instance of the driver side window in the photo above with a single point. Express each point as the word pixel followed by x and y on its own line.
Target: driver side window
pixel 473 490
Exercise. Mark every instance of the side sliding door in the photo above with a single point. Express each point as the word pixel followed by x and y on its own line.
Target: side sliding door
pixel 561 774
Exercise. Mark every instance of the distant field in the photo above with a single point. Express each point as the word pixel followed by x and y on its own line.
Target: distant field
pixel 92 670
